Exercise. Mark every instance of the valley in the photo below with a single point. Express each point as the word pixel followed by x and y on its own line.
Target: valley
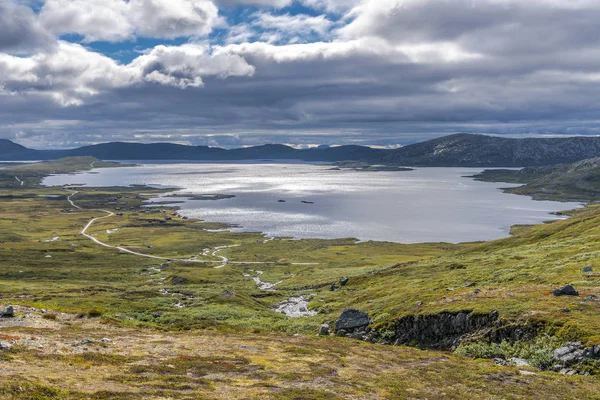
pixel 177 327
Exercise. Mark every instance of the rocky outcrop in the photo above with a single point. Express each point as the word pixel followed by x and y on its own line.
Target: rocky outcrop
pixel 571 354
pixel 441 331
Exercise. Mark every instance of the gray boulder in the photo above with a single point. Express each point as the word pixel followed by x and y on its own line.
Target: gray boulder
pixel 344 281
pixel 324 330
pixel 8 312
pixel 5 346
pixel 519 362
pixel 571 353
pixel 179 280
pixel 587 268
pixel 352 320
pixel 566 291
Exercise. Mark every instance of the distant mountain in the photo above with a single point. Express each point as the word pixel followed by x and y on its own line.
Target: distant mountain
pixel 8 147
pixel 461 150
pixel 491 151
pixel 579 181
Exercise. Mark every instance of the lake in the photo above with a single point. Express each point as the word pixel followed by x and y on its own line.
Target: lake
pixel 313 201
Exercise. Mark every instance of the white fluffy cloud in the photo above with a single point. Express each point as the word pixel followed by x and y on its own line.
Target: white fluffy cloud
pixel 71 73
pixel 260 3
pixel 118 20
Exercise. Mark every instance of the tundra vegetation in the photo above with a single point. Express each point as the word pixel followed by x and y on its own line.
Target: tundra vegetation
pixel 92 321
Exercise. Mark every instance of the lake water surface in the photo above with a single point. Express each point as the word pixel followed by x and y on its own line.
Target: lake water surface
pixel 425 205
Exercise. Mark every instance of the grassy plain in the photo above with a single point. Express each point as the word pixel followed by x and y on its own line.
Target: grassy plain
pixel 220 336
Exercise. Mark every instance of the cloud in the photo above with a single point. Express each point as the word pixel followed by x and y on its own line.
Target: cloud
pixel 259 3
pixel 370 71
pixel 285 28
pixel 184 66
pixel 119 20
pixel 72 73
pixel 20 30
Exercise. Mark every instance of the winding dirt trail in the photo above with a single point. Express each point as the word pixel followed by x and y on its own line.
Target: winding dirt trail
pixel 224 261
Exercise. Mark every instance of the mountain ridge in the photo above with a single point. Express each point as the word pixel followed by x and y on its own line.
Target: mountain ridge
pixel 458 150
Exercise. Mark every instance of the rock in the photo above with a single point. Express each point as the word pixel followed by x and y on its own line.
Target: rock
pixel 500 361
pixel 567 371
pixel 587 268
pixel 344 281
pixel 571 353
pixel 566 310
pixel 441 331
pixel 359 335
pixel 566 291
pixel 519 362
pixel 333 287
pixel 8 312
pixel 419 303
pixel 352 320
pixel 324 330
pixel 86 341
pixel 179 280
pixel 105 340
pixel 525 372
pixel 5 346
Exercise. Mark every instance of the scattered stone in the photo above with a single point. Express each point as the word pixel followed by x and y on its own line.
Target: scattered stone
pixel 86 341
pixel 352 320
pixel 5 346
pixel 566 291
pixel 8 312
pixel 324 330
pixel 105 340
pixel 333 287
pixel 525 372
pixel 419 303
pixel 519 362
pixel 179 280
pixel 567 371
pixel 592 297
pixel 344 281
pixel 587 268
pixel 296 307
pixel 500 361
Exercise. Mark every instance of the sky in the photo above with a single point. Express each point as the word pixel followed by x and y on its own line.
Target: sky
pixel 234 73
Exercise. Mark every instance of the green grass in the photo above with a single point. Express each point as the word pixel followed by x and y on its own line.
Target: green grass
pixel 515 276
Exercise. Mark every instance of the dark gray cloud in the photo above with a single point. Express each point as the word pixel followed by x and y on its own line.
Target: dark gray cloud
pixel 20 30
